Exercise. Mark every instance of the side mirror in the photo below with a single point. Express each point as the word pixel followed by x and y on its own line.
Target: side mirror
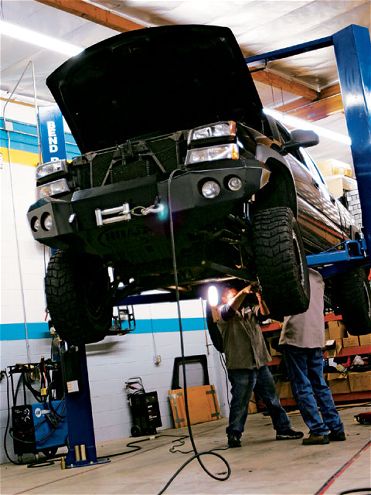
pixel 300 138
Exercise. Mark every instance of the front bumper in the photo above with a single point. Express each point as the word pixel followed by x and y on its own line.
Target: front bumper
pixel 106 220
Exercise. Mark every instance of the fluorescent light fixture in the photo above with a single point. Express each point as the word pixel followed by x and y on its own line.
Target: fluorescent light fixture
pixel 38 39
pixel 302 124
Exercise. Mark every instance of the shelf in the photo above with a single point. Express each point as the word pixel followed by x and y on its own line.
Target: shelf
pixel 338 398
pixel 332 317
pixel 271 327
pixel 352 351
pixel 275 361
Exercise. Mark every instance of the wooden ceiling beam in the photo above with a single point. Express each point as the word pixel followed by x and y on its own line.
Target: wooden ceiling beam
pixel 293 105
pixel 93 13
pixel 289 85
pixel 317 110
pixel 328 102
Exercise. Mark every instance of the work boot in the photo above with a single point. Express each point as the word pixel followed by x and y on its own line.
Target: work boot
pixel 314 439
pixel 234 440
pixel 337 436
pixel 289 434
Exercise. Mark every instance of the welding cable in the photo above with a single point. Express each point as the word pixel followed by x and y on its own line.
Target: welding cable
pixel 223 363
pixel 356 490
pixel 197 455
pixel 7 423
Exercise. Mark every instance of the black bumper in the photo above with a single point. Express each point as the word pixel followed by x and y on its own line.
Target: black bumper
pixel 91 220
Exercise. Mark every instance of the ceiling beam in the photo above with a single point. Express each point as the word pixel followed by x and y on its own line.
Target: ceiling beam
pixel 93 13
pixel 289 85
pixel 320 109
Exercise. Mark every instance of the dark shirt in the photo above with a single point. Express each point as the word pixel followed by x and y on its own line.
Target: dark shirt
pixel 243 341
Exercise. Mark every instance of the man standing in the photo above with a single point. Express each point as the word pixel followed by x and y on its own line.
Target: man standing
pixel 302 339
pixel 246 360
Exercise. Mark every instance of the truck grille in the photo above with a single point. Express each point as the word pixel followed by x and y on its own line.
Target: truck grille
pixel 131 160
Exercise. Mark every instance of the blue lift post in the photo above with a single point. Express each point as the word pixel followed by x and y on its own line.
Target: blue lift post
pixel 81 438
pixel 353 55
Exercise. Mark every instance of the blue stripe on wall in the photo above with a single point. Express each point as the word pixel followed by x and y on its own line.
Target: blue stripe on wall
pixel 16 331
pixel 169 325
pixel 25 142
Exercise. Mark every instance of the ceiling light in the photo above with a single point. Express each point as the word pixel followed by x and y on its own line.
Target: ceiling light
pixel 302 124
pixel 42 40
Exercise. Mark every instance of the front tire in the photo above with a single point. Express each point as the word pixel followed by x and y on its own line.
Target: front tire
pixel 280 261
pixel 78 297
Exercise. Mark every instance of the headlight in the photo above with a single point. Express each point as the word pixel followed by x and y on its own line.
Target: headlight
pixel 52 188
pixel 35 224
pixel 50 168
pixel 234 183
pixel 47 221
pixel 210 189
pixel 219 129
pixel 220 152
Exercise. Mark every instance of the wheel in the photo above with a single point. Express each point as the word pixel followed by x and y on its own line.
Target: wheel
pixel 135 431
pixel 353 296
pixel 280 260
pixel 78 297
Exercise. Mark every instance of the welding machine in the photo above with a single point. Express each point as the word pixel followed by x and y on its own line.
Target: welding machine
pixel 144 407
pixel 39 427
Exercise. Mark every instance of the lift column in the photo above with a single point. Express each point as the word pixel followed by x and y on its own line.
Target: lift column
pixel 353 56
pixel 81 438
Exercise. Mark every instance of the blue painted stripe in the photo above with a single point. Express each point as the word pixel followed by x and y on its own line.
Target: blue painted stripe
pixel 16 331
pixel 168 325
pixel 28 142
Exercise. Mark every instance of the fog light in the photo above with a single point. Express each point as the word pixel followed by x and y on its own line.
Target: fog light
pixel 35 224
pixel 234 184
pixel 47 222
pixel 210 189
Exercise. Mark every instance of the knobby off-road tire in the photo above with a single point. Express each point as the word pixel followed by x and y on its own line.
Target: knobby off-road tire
pixel 353 296
pixel 78 297
pixel 280 260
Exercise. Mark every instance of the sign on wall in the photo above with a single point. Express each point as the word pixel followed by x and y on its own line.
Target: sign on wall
pixel 53 146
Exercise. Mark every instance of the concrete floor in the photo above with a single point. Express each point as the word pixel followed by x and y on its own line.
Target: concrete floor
pixel 262 466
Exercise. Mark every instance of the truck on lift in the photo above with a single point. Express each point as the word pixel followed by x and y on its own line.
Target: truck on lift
pixel 180 163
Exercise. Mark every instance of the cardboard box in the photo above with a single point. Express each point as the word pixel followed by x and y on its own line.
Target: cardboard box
pixel 203 405
pixel 351 341
pixel 365 339
pixel 273 352
pixel 252 407
pixel 336 329
pixel 360 382
pixel 284 390
pixel 338 383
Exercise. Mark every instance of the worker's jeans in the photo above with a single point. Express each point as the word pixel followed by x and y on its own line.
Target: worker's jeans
pixel 243 383
pixel 305 370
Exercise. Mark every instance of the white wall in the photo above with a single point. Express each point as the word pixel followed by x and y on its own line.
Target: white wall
pixel 110 362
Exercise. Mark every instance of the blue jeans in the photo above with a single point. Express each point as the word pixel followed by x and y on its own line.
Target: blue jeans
pixel 243 383
pixel 305 370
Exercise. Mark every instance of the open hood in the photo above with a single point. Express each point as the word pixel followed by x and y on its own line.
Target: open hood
pixel 153 81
